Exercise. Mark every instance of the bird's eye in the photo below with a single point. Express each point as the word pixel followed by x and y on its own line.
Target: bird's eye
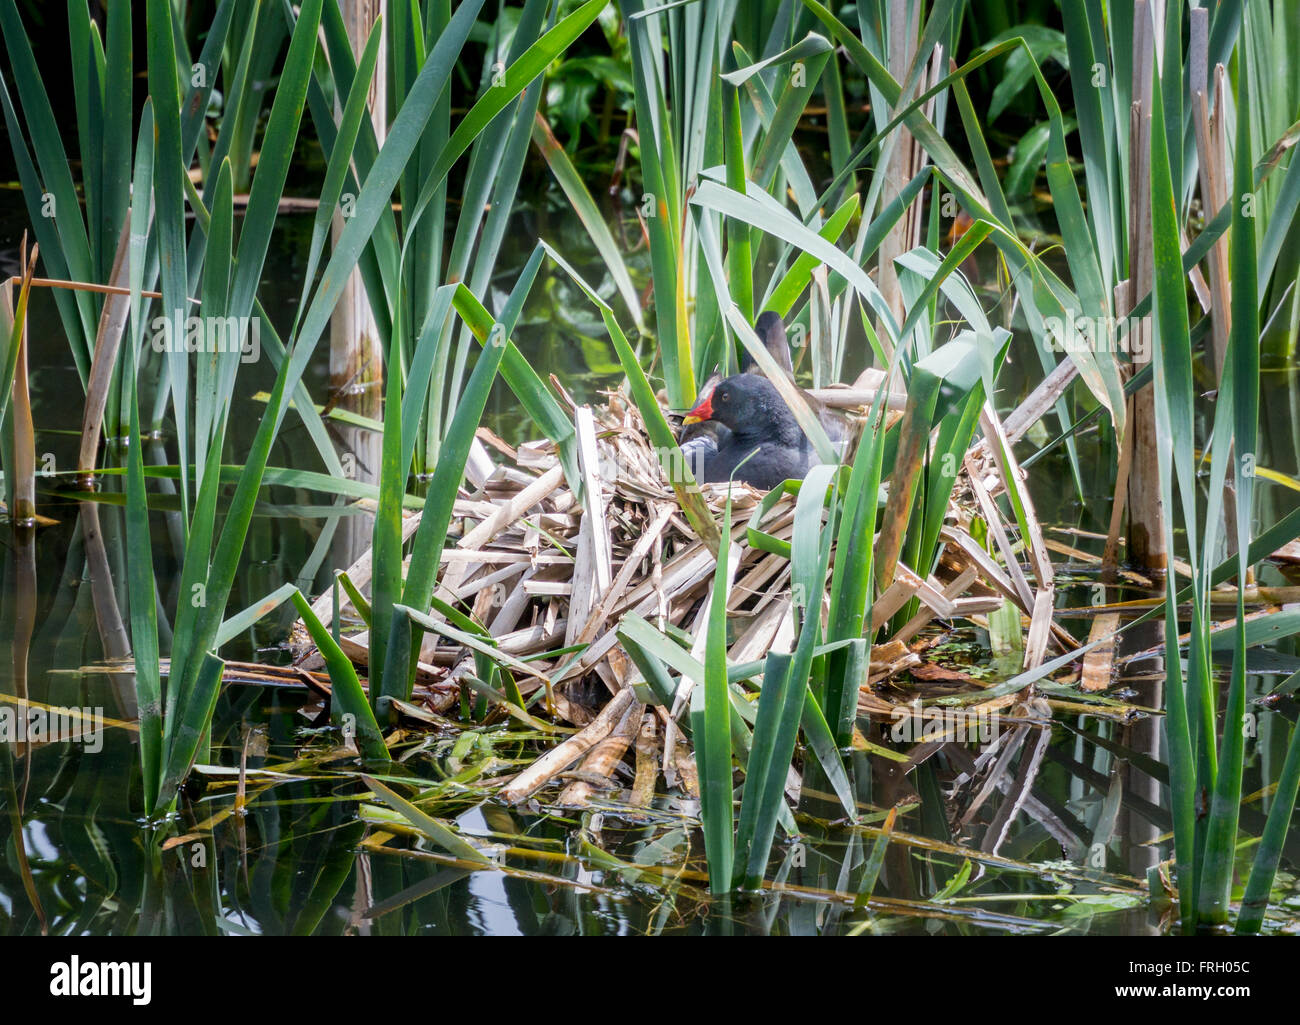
pixel 723 397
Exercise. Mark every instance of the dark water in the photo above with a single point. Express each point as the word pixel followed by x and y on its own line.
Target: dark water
pixel 309 853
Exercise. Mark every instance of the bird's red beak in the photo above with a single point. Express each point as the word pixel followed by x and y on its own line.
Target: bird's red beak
pixel 704 411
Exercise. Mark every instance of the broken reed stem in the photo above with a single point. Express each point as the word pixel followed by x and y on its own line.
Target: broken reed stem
pixel 23 430
pixel 560 757
pixel 603 759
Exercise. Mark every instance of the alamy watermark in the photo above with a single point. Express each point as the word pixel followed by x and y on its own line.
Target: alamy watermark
pixel 207 335
pixel 40 724
pixel 912 724
pixel 1076 333
pixel 77 978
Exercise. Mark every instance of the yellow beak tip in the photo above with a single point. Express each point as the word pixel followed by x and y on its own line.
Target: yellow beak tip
pixel 691 420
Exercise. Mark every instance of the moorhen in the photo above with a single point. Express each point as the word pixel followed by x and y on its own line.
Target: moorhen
pixel 762 444
pixel 771 331
pixel 708 443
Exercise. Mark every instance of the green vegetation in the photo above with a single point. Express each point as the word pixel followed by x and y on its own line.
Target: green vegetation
pixel 935 196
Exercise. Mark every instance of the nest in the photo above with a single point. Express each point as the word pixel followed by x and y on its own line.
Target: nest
pixel 551 576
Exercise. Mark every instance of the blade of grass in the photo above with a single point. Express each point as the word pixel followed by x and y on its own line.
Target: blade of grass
pixel 1241 380
pixel 570 181
pixel 712 729
pixel 348 705
pixel 1175 421
pixel 437 831
pixel 139 545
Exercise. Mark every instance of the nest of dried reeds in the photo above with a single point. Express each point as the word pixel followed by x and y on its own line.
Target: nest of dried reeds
pixel 551 576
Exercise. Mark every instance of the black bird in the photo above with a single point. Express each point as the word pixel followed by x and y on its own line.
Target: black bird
pixel 771 332
pixel 708 444
pixel 762 443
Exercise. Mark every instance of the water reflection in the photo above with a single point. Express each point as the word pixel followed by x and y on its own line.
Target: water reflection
pixel 301 860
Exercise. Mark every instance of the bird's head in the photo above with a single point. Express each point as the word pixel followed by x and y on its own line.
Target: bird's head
pixel 748 404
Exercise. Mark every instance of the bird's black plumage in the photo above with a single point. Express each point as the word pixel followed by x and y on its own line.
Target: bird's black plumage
pixel 763 444
pixel 709 435
pixel 780 450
